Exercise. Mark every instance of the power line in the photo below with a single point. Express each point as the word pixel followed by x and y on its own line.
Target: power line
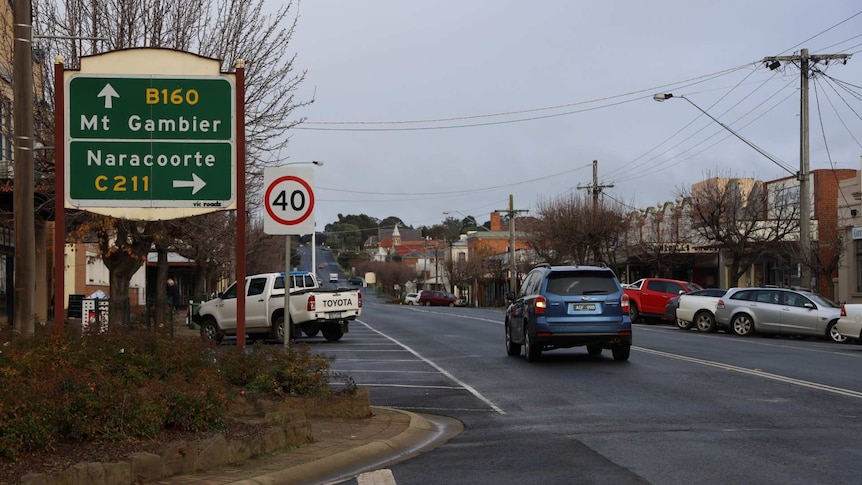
pixel 700 78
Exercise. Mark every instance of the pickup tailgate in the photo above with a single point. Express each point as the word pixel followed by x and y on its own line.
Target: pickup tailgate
pixel 335 305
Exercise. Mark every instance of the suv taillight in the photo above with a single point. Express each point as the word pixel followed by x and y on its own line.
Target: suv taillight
pixel 720 304
pixel 541 303
pixel 624 303
pixel 312 305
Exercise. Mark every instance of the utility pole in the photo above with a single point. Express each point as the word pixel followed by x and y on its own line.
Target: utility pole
pixel 806 64
pixel 595 188
pixel 513 268
pixel 25 229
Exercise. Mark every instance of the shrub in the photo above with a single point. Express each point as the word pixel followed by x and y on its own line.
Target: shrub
pixel 124 384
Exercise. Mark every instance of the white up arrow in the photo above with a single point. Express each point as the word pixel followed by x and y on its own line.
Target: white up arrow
pixel 109 94
pixel 196 183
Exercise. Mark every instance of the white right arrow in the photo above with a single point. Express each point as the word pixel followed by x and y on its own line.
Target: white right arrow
pixel 195 183
pixel 108 93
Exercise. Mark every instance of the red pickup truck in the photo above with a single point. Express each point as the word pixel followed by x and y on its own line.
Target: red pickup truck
pixel 648 297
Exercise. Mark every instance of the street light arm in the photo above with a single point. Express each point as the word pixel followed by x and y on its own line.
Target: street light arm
pixel 663 96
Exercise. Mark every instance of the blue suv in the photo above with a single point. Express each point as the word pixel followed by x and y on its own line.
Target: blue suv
pixel 569 306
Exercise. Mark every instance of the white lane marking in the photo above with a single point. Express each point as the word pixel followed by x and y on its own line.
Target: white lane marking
pixel 377 477
pixel 443 371
pixel 756 372
pixel 406 386
pixel 466 317
pixel 384 371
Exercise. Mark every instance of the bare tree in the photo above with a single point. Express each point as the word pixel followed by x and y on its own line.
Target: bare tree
pixel 737 215
pixel 571 229
pixel 227 30
pixel 208 240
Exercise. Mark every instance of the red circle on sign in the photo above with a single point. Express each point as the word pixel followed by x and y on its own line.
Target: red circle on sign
pixel 289 222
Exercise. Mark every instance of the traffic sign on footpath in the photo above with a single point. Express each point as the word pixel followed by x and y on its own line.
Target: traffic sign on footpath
pixel 288 200
pixel 150 141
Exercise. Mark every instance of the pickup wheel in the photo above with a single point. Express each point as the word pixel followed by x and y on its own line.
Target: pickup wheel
pixel 332 334
pixel 634 313
pixel 512 349
pixel 278 329
pixel 705 321
pixel 210 331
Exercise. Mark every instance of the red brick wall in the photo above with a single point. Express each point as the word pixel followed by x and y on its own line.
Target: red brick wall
pixel 825 211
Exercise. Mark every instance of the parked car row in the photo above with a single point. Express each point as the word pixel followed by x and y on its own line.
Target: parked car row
pixel 433 298
pixel 764 310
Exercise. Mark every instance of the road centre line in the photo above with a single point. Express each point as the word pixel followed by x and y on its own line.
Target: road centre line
pixel 760 342
pixel 441 370
pixel 757 373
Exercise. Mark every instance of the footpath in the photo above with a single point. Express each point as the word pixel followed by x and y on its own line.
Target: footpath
pixel 341 448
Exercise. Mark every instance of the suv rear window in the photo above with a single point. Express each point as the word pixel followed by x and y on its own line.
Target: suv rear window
pixel 581 283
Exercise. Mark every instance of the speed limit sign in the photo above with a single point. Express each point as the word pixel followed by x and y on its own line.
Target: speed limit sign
pixel 288 200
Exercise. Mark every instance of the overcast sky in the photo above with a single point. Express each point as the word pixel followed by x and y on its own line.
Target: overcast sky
pixel 455 104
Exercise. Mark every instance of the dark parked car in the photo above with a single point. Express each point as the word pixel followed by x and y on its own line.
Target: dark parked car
pixel 569 306
pixel 356 281
pixel 436 298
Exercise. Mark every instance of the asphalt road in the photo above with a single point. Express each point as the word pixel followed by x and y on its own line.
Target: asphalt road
pixel 686 408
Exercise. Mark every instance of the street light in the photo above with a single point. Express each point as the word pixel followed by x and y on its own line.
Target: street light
pixel 801 176
pixel 664 96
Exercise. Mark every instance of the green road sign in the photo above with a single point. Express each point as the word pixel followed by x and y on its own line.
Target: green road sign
pixel 151 141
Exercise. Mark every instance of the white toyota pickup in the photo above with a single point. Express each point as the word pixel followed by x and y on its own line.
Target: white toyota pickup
pixel 313 309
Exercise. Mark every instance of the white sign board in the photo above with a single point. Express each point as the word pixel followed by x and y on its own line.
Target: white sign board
pixel 288 200
pixel 857 233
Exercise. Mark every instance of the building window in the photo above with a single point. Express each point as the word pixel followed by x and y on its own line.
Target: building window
pixel 858 265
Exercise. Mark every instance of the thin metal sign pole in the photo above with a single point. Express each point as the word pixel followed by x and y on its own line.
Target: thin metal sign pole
pixel 287 284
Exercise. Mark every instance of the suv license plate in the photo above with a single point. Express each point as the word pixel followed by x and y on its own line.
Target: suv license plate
pixel 583 307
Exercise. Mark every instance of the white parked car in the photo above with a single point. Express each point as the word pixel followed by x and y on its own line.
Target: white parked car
pixel 850 323
pixel 411 299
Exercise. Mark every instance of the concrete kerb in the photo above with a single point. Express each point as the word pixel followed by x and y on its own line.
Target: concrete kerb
pixel 424 433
